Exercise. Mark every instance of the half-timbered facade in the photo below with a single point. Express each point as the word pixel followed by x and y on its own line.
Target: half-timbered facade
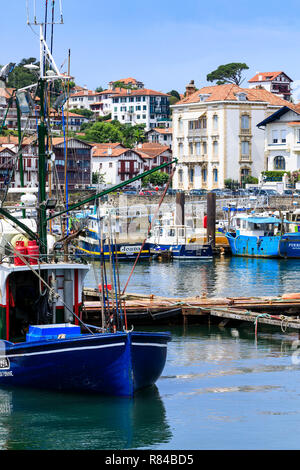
pixel 116 163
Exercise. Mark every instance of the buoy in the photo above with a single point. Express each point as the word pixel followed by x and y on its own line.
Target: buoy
pixel 295 295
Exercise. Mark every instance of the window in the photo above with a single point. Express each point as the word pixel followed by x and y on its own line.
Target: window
pixel 204 147
pixel 274 136
pixel 298 135
pixel 180 175
pixel 215 122
pixel 137 108
pixel 245 147
pixel 245 121
pixel 180 149
pixel 215 148
pixel 204 175
pixel 191 147
pixel 215 175
pixel 279 163
pixel 283 136
pixel 191 175
pixel 198 148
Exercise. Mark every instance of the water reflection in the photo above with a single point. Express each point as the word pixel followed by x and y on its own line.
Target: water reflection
pixel 222 277
pixel 30 419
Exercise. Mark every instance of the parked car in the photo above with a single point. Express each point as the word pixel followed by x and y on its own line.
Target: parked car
pixel 147 193
pixel 198 192
pixel 130 191
pixel 171 191
pixel 287 192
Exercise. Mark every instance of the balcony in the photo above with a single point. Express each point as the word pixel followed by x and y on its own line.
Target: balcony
pixel 193 158
pixel 197 133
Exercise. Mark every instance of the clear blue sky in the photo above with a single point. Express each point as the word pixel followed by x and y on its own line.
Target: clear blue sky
pixel 164 43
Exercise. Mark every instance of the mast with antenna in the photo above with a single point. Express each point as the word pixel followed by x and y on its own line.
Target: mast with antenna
pixel 48 72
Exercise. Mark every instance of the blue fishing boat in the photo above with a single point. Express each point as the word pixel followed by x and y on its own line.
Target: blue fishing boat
pixel 255 236
pixel 59 357
pixel 89 244
pixel 289 245
pixel 44 341
pixel 177 240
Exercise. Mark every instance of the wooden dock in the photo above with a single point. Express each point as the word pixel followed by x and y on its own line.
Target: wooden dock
pixel 149 309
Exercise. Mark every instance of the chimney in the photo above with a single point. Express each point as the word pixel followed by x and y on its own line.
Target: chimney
pixel 190 88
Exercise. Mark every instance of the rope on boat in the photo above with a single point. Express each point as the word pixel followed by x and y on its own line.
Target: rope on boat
pixel 51 290
pixel 150 226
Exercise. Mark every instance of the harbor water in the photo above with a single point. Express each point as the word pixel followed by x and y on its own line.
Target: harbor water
pixel 222 388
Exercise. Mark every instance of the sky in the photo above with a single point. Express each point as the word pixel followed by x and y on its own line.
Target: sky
pixel 163 43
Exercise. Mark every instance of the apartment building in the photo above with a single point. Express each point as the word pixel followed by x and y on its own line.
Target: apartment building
pixel 215 134
pixel 140 106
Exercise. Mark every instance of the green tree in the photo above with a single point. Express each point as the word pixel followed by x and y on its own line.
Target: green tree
pixel 82 112
pixel 103 132
pixel 21 76
pixel 228 73
pixel 159 178
pixel 99 89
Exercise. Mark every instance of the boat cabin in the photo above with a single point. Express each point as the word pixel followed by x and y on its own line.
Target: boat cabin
pixel 26 301
pixel 256 226
pixel 170 235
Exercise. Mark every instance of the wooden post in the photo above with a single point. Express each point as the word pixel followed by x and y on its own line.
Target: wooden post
pixel 179 210
pixel 211 218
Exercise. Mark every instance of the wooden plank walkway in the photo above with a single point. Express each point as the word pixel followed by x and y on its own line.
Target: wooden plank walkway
pixel 272 311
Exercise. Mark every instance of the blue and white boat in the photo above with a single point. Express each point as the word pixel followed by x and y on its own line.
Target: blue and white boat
pixel 58 357
pixel 88 244
pixel 44 341
pixel 289 245
pixel 255 236
pixel 179 241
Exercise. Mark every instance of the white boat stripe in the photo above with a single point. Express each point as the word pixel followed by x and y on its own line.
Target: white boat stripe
pixel 150 344
pixel 63 350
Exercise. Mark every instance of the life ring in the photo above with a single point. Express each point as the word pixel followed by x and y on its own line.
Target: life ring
pixel 295 295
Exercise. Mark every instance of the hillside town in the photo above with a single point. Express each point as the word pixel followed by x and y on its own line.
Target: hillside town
pixel 222 135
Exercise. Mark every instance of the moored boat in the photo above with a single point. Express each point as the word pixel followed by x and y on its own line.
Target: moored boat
pixel 45 343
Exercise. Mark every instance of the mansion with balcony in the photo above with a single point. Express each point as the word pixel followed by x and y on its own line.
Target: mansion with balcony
pixel 282 139
pixel 215 136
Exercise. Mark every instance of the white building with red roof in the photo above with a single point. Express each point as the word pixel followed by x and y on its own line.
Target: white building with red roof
pixel 215 136
pixel 140 106
pixel 282 139
pixel 275 82
pixel 116 163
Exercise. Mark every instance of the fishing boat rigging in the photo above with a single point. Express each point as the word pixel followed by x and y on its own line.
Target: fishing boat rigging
pixel 41 293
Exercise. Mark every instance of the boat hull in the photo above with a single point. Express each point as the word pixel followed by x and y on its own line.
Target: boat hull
pixel 125 252
pixel 112 364
pixel 289 246
pixel 185 251
pixel 251 246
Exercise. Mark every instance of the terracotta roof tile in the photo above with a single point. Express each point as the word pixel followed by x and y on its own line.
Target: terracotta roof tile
pixel 229 92
pixel 266 76
pixel 152 149
pixel 141 92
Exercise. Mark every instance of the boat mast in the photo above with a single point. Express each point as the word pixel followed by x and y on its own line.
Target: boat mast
pixel 45 76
